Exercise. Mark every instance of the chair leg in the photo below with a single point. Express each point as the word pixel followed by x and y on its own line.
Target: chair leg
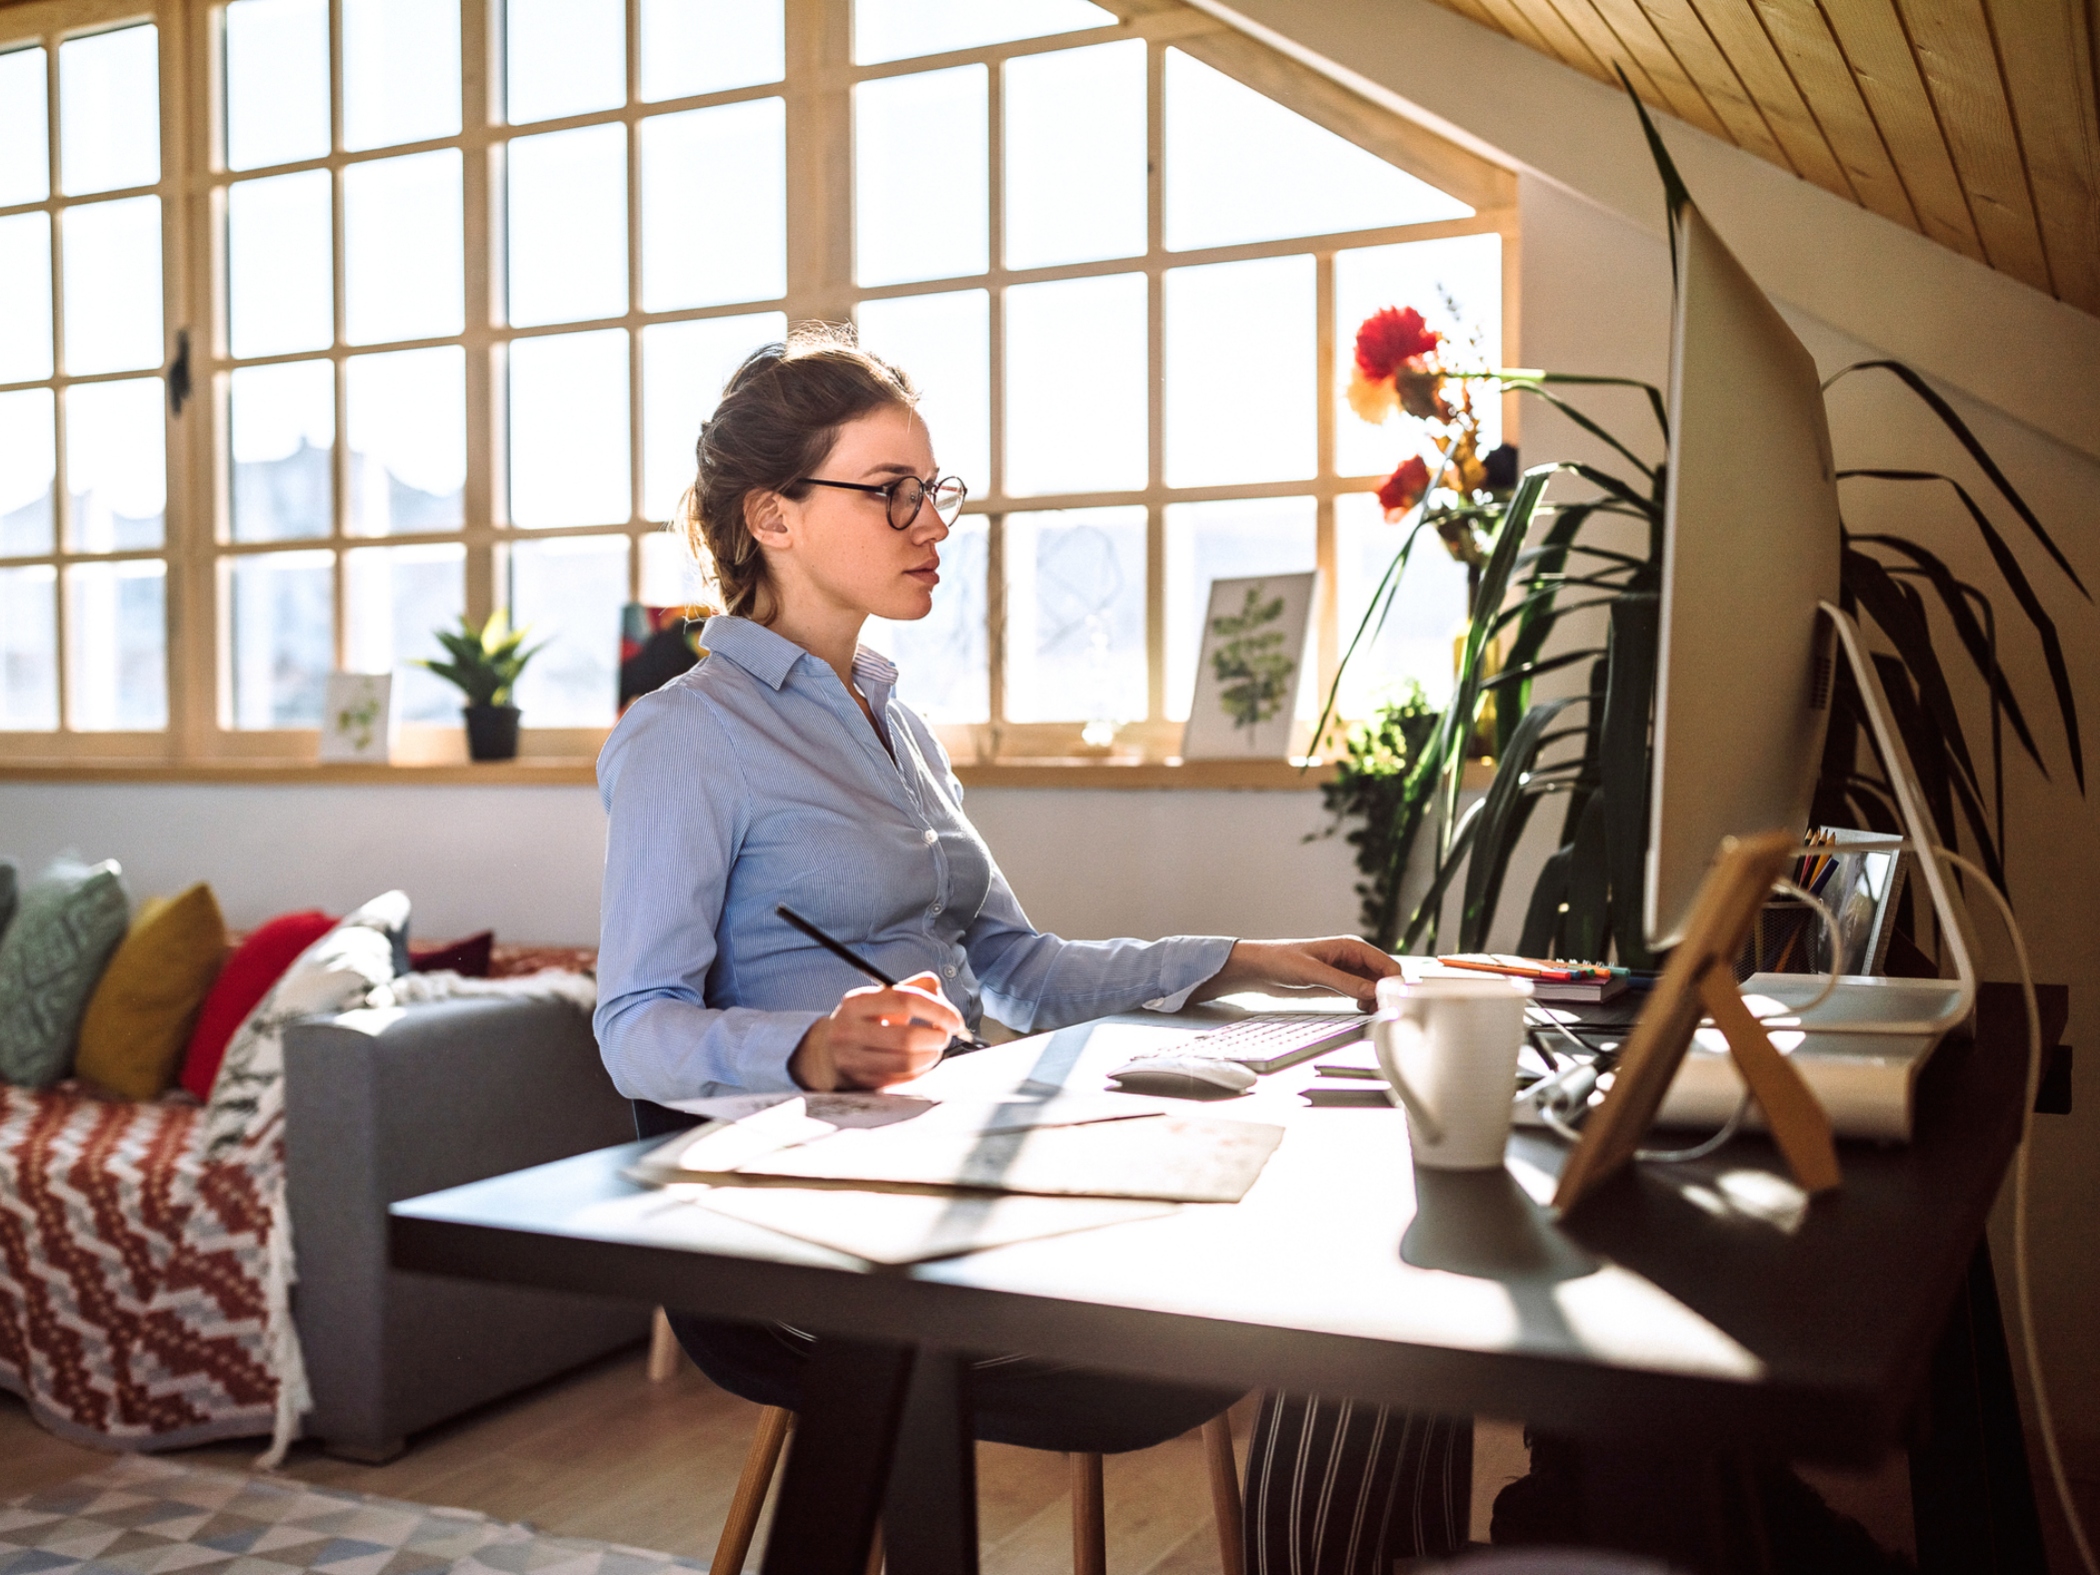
pixel 1225 1493
pixel 875 1553
pixel 663 1348
pixel 750 1490
pixel 1089 1527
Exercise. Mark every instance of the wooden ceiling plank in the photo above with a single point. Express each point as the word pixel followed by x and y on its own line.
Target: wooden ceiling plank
pixel 1797 30
pixel 1631 24
pixel 1951 41
pixel 1658 93
pixel 1563 40
pixel 1473 11
pixel 1741 36
pixel 2047 55
pixel 1878 53
pixel 1680 27
pixel 1512 21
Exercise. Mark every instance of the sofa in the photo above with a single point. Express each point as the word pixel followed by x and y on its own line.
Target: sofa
pixel 388 1103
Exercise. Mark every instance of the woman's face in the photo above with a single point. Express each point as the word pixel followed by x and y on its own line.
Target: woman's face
pixel 840 544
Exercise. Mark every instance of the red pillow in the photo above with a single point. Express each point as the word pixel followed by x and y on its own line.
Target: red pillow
pixel 256 964
pixel 469 958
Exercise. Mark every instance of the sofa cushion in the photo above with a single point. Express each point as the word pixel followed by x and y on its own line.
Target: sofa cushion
pixel 467 957
pixel 334 974
pixel 256 964
pixel 65 927
pixel 138 1020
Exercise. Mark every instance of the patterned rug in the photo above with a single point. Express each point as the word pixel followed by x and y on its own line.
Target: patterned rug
pixel 142 1515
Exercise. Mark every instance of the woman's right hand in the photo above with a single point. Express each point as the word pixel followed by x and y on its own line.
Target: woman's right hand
pixel 877 1036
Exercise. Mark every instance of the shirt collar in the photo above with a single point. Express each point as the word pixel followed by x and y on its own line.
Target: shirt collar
pixel 770 657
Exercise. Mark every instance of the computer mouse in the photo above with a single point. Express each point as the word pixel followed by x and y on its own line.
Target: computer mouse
pixel 1182 1076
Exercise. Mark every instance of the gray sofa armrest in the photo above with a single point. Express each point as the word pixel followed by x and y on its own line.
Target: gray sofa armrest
pixel 390 1103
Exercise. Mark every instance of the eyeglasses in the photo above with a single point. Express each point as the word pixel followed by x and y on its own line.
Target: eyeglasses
pixel 905 497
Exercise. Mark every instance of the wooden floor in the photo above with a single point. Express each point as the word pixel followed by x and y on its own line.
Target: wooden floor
pixel 605 1453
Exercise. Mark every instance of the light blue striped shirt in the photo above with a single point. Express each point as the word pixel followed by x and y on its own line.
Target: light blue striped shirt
pixel 754 779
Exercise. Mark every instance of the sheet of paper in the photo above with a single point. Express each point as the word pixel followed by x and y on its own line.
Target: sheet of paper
pixel 904 1227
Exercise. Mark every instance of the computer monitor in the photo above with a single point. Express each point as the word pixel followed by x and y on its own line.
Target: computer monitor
pixel 1750 552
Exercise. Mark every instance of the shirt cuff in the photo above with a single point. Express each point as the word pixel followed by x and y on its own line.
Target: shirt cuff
pixel 768 1044
pixel 1187 961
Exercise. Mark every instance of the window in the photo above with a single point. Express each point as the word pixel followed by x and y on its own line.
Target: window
pixel 458 285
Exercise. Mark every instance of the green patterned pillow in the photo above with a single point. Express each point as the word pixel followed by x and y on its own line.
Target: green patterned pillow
pixel 65 927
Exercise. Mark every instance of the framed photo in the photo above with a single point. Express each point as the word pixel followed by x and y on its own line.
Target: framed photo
pixel 1249 668
pixel 357 720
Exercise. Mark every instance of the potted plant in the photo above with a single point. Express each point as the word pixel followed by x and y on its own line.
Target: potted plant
pixel 485 664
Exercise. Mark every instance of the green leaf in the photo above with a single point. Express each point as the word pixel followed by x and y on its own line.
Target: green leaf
pixel 1586 932
pixel 1968 440
pixel 1904 624
pixel 1629 696
pixel 1505 809
pixel 1549 893
pixel 1676 197
pixel 1461 843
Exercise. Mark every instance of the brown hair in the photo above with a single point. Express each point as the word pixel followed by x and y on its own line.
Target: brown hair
pixel 779 417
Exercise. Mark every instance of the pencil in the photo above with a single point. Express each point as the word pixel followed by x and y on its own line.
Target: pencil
pixel 847 954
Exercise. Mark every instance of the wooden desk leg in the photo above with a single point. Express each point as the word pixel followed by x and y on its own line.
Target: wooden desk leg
pixel 1972 1499
pixel 930 1514
pixel 838 1462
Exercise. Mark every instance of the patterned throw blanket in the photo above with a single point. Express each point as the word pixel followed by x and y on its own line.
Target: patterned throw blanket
pixel 134 1274
pixel 145 1249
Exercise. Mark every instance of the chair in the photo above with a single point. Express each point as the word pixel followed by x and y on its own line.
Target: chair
pixel 1089 1525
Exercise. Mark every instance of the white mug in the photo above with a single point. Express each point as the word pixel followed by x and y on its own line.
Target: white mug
pixel 1448 1048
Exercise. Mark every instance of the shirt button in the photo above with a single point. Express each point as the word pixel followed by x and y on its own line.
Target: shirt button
pixel 930 836
pixel 949 971
pixel 936 907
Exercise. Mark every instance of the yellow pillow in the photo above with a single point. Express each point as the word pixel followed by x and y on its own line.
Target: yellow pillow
pixel 138 1020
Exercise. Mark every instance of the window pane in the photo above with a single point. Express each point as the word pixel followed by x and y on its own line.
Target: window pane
pixel 407 428
pixel 569 592
pixel 919 183
pixel 1456 285
pixel 113 285
pixel 1075 385
pixel 394 598
pixel 283 449
pixel 944 342
pixel 699 169
pixel 684 366
pixel 1241 167
pixel 671 576
pixel 279 264
pixel 276 82
pixel 117 646
pixel 25 285
pixel 568 430
pixel 1241 400
pixel 29 648
pixel 1075 615
pixel 1075 184
pixel 568 225
pixel 1428 611
pixel 943 669
pixel 899 29
pixel 28 467
pixel 401 238
pixel 116 465
pixel 400 72
pixel 283 616
pixel 564 57
pixel 710 46
pixel 25 128
pixel 109 110
pixel 1227 541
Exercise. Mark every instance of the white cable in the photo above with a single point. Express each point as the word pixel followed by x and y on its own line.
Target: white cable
pixel 1831 932
pixel 2042 1413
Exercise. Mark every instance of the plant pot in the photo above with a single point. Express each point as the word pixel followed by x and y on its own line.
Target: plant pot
pixel 492 731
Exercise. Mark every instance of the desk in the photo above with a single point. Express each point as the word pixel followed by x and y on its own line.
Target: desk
pixel 1688 1310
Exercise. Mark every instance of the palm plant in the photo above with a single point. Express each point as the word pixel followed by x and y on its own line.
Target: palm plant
pixel 1537 562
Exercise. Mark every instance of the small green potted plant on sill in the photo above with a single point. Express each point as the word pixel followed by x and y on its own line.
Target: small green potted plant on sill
pixel 485 664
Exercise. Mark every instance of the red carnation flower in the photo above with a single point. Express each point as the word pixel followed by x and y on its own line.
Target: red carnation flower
pixel 1390 337
pixel 1403 489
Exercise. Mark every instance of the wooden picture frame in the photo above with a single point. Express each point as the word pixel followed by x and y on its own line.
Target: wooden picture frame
pixel 1700 980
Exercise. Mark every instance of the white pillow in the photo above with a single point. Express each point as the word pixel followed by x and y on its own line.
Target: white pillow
pixel 338 972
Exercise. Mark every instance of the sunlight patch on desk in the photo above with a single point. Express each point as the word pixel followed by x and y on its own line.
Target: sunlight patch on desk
pixel 1618 1317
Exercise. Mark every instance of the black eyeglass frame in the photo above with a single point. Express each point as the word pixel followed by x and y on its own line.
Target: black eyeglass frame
pixel 890 492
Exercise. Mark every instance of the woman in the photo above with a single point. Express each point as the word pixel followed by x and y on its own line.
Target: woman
pixel 782 769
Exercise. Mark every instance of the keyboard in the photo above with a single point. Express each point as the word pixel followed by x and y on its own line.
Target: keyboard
pixel 1271 1041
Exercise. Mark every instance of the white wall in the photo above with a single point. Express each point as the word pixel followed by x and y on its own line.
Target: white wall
pixel 525 861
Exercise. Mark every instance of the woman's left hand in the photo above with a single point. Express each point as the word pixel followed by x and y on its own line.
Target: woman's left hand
pixel 1331 965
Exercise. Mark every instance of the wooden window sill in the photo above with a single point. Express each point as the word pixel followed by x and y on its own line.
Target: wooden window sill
pixel 554 771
